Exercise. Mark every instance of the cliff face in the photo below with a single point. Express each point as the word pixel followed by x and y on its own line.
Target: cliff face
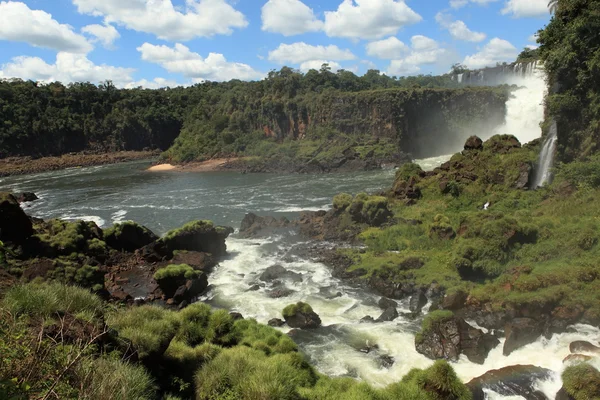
pixel 424 122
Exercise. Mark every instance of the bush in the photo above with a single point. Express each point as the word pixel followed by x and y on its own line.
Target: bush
pixel 439 382
pixel 582 382
pixel 220 329
pixel 47 299
pixel 407 171
pixel 193 324
pixel 294 309
pixel 263 338
pixel 176 272
pixel 342 201
pixel 149 328
pixel 104 378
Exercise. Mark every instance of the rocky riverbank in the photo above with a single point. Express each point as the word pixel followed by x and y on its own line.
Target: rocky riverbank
pixel 28 165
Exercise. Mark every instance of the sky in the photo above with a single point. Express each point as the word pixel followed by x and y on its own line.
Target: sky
pixel 158 43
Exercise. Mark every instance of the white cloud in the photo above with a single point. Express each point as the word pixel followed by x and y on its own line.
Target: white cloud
pixel 533 38
pixel 526 8
pixel 458 29
pixel 68 67
pixel 105 34
pixel 387 49
pixel 199 18
pixel 300 52
pixel 462 3
pixel 289 17
pixel 180 59
pixel 424 51
pixel 497 50
pixel 369 19
pixel 156 83
pixel 316 64
pixel 21 24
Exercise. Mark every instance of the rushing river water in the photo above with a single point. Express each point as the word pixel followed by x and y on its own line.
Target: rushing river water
pixel 162 201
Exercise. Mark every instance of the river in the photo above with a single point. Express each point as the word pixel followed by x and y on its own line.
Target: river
pixel 162 201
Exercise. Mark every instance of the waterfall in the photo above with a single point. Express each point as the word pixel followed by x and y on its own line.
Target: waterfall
pixel 543 172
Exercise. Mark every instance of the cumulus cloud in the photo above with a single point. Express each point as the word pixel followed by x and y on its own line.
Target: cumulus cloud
pixel 289 17
pixel 21 24
pixel 105 34
pixel 387 49
pixel 156 83
pixel 526 8
pixel 199 18
pixel 462 3
pixel 180 59
pixel 69 67
pixel 423 51
pixel 300 52
pixel 497 50
pixel 458 29
pixel 369 19
pixel 317 64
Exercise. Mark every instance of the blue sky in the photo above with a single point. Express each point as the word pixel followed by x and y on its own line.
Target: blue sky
pixel 155 43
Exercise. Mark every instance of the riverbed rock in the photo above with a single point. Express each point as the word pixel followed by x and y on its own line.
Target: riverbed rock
pixel 367 319
pixel 517 380
pixel 521 332
pixel 454 301
pixel 449 336
pixel 128 236
pixel 26 197
pixel 257 226
pixel 384 303
pixel 276 322
pixel 201 236
pixel 279 272
pixel 386 361
pixel 417 302
pixel 474 143
pixel 301 316
pixel 15 225
pixel 524 178
pixel 388 315
pixel 581 346
pixel 577 358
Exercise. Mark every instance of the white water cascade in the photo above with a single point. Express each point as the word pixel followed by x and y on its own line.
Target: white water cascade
pixel 544 169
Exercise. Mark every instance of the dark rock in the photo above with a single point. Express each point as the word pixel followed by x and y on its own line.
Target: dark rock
pixel 26 197
pixel 367 319
pixel 367 348
pixel 442 232
pixel 384 303
pixel 280 292
pixel 200 236
pixel 577 358
pixel 518 380
pixel 236 316
pixel 15 226
pixel 520 332
pixel 129 236
pixel 276 322
pixel 199 261
pixel 386 361
pixel 256 226
pixel 278 272
pixel 389 314
pixel 563 395
pixel 417 302
pixel 407 190
pixel 474 143
pixel 524 176
pixel 475 344
pixel 454 301
pixel 190 290
pixel 581 346
pixel 254 288
pixel 303 319
pixel 120 295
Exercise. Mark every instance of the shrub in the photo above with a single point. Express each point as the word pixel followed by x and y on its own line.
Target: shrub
pixel 46 299
pixel 264 338
pixel 439 382
pixel 104 378
pixel 294 309
pixel 175 272
pixel 342 201
pixel 64 238
pixel 149 328
pixel 190 227
pixel 582 382
pixel 220 329
pixel 193 323
pixel 407 171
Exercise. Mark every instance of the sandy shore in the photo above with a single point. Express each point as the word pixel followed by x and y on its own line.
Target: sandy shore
pixel 216 164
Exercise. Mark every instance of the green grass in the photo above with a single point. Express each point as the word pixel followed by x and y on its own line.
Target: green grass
pixel 293 309
pixel 264 338
pixel 431 321
pixel 582 382
pixel 342 201
pixel 190 227
pixel 182 271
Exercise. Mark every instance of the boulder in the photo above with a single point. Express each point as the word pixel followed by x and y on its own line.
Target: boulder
pixel 517 380
pixel 417 302
pixel 15 225
pixel 407 189
pixel 388 315
pixel 454 301
pixel 278 272
pixel 384 303
pixel 367 319
pixel 521 332
pixel 524 176
pixel 446 336
pixel 128 236
pixel 236 316
pixel 26 197
pixel 201 236
pixel 256 226
pixel 581 346
pixel 276 322
pixel 563 395
pixel 577 358
pixel 301 316
pixel 386 361
pixel 280 292
pixel 474 143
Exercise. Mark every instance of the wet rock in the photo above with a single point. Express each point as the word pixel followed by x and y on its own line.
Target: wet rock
pixel 236 316
pixel 563 395
pixel 417 302
pixel 577 358
pixel 190 290
pixel 278 272
pixel 367 319
pixel 254 288
pixel 26 197
pixel 256 226
pixel 128 236
pixel 367 348
pixel 120 295
pixel 520 332
pixel 276 322
pixel 518 380
pixel 386 361
pixel 200 236
pixel 474 143
pixel 197 260
pixel 581 346
pixel 454 301
pixel 388 315
pixel 15 226
pixel 301 316
pixel 280 292
pixel 384 303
